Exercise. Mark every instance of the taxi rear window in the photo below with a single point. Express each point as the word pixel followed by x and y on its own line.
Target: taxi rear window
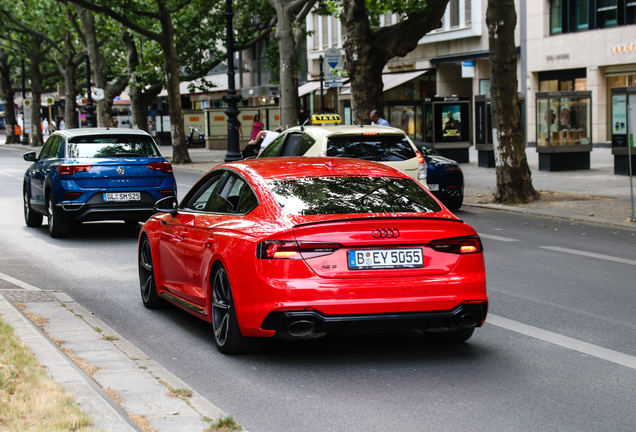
pixel 378 148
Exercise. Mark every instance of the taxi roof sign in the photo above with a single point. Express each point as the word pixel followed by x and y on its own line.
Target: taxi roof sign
pixel 326 118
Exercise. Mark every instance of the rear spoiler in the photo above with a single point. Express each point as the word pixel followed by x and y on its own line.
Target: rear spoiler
pixel 381 218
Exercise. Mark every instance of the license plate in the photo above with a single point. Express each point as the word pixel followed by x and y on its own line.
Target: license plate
pixel 433 187
pixel 122 196
pixel 365 259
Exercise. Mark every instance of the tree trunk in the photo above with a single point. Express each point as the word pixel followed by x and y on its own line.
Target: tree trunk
pixel 98 67
pixel 514 182
pixel 288 64
pixel 180 154
pixel 8 96
pixel 70 93
pixel 36 101
pixel 365 68
pixel 367 51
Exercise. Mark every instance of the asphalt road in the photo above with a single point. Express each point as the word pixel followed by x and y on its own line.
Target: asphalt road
pixel 560 353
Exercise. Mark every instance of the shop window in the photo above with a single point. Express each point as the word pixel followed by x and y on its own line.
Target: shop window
pixel 613 81
pixel 607 13
pixel 484 86
pixel 563 120
pixel 580 84
pixel 549 85
pixel 556 17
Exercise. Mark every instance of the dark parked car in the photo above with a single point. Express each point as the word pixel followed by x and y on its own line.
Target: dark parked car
pixel 95 174
pixel 444 177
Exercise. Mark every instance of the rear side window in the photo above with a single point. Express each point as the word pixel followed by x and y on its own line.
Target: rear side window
pixel 292 145
pixel 273 149
pixel 348 195
pixel 306 142
pixel 380 148
pixel 107 146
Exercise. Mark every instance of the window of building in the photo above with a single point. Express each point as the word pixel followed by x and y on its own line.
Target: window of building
pixel 314 22
pixel 484 86
pixel 630 16
pixel 556 17
pixel 454 13
pixel 325 31
pixel 607 13
pixel 334 31
pixel 582 15
pixel 468 11
pixel 568 16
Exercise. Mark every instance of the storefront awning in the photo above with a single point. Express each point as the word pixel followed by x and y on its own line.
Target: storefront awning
pixel 390 81
pixel 308 88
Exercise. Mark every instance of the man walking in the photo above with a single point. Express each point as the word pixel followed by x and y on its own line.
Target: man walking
pixel 376 120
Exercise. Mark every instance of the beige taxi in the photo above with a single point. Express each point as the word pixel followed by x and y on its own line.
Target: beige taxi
pixel 386 145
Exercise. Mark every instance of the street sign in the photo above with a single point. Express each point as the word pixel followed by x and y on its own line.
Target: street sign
pixel 333 58
pixel 26 115
pixel 329 84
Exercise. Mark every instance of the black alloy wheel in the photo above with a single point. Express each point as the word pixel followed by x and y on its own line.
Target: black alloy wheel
pixel 449 336
pixel 227 335
pixel 31 218
pixel 147 276
pixel 57 227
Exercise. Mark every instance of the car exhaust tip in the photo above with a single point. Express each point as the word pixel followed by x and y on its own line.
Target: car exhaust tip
pixel 300 328
pixel 468 320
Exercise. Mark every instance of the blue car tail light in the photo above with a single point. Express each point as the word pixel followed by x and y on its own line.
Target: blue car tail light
pixel 70 169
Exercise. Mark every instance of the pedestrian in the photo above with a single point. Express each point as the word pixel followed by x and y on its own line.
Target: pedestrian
pixel 62 125
pixel 45 126
pixel 376 120
pixel 302 116
pixel 53 126
pixel 255 146
pixel 257 126
pixel 239 127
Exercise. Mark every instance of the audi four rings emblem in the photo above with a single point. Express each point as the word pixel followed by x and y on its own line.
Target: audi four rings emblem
pixel 385 233
pixel 120 170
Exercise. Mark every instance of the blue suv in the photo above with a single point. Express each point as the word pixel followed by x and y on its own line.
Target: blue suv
pixel 95 174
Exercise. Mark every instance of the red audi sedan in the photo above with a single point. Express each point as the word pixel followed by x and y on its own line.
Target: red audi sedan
pixel 301 247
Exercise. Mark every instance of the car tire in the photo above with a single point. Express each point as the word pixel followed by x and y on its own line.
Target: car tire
pixel 226 332
pixel 454 203
pixel 57 227
pixel 449 336
pixel 31 218
pixel 147 283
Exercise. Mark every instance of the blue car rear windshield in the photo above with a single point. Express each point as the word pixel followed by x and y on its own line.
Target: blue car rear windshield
pixel 108 146
pixel 349 195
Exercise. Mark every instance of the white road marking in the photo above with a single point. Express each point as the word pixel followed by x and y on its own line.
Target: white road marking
pixel 19 283
pixel 564 341
pixel 498 238
pixel 590 255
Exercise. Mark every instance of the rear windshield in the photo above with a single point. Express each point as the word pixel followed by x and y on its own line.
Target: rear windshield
pixel 347 195
pixel 381 148
pixel 107 146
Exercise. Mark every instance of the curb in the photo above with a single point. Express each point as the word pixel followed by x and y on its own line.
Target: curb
pixel 587 219
pixel 168 413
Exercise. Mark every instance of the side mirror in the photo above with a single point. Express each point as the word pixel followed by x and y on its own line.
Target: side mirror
pixel 29 157
pixel 167 205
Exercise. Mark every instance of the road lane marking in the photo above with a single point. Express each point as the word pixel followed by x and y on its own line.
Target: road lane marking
pixel 563 307
pixel 19 283
pixel 564 341
pixel 590 255
pixel 498 238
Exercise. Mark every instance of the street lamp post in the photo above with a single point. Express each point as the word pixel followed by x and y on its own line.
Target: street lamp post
pixel 90 108
pixel 231 99
pixel 25 136
pixel 322 78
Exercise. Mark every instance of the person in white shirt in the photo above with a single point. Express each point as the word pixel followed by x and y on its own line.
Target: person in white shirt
pixel 263 138
pixel 62 125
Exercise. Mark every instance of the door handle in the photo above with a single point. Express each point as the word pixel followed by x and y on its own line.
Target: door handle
pixel 210 241
pixel 184 234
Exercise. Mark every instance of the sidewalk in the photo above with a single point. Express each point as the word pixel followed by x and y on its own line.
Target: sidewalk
pixel 122 389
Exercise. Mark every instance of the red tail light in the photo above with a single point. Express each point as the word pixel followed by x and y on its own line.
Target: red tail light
pixel 421 167
pixel 277 249
pixel 458 245
pixel 420 158
pixel 161 166
pixel 70 169
pixel 370 133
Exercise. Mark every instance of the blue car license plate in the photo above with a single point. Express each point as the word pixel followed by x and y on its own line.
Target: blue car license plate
pixel 122 196
pixel 366 259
